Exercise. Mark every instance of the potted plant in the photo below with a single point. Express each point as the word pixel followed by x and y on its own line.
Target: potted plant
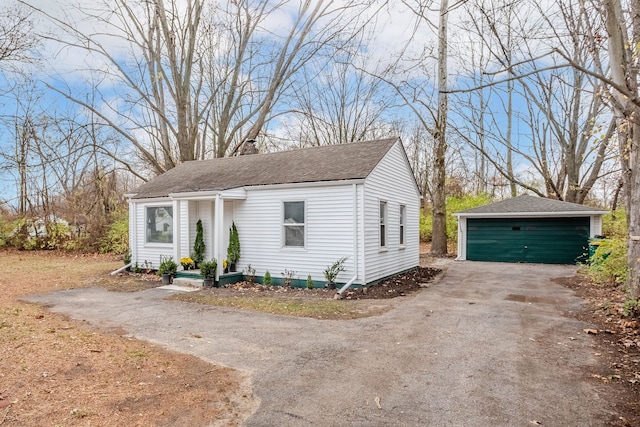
pixel 225 266
pixel 331 272
pixel 198 245
pixel 233 250
pixel 208 272
pixel 167 269
pixel 187 263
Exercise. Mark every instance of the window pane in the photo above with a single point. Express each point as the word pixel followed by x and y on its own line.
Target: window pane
pixel 160 224
pixel 294 212
pixel 383 224
pixel 294 235
pixel 403 209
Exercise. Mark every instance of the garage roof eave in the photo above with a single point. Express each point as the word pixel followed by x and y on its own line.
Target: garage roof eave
pixel 528 214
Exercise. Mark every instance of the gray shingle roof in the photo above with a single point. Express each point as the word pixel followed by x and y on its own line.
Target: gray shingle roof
pixel 326 163
pixel 527 204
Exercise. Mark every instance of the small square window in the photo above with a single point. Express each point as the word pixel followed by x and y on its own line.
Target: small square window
pixel 159 227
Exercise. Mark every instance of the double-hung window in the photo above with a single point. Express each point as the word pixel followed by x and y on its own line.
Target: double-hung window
pixel 159 224
pixel 383 224
pixel 294 224
pixel 403 228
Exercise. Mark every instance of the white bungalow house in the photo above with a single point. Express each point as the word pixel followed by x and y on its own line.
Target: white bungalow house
pixel 298 210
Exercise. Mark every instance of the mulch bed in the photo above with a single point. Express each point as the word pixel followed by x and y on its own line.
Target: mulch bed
pixel 396 286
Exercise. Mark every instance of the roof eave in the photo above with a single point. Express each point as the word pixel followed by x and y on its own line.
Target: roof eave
pixel 528 214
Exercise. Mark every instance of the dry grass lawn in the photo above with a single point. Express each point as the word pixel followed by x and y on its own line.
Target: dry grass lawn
pixel 58 372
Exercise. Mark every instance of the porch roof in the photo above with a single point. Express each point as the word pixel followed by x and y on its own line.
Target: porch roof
pixel 317 164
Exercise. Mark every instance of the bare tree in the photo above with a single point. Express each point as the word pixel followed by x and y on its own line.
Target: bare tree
pixel 338 105
pixel 17 38
pixel 434 120
pixel 194 78
pixel 623 30
pixel 568 132
pixel 621 22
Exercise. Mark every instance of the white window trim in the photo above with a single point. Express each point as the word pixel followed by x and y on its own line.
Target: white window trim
pixel 157 244
pixel 402 226
pixel 283 243
pixel 386 226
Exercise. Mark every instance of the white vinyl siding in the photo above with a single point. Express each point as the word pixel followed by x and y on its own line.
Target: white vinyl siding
pixel 329 231
pixel 391 181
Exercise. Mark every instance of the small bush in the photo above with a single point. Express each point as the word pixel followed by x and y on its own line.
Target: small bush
pixel 608 265
pixel 614 223
pixel 116 239
pixel 454 204
pixel 632 307
pixel 267 278
pixel 426 230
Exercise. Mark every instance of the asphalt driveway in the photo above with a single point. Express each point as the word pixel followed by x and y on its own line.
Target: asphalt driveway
pixel 487 345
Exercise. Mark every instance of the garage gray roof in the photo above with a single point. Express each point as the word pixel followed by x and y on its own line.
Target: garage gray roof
pixel 326 163
pixel 527 205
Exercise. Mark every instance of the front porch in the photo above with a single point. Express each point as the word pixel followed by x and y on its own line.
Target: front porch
pixel 215 210
pixel 194 278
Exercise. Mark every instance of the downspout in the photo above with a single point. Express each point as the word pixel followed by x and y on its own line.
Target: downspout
pixel 113 273
pixel 338 294
pixel 356 242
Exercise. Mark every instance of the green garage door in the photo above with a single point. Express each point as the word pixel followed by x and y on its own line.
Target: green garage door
pixel 535 240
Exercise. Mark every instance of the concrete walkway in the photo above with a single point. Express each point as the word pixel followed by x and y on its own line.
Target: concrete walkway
pixel 487 345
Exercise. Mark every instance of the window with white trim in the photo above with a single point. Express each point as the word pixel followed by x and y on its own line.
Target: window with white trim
pixel 403 228
pixel 294 224
pixel 383 224
pixel 159 224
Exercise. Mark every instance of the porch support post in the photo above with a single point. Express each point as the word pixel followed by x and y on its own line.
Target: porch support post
pixel 217 234
pixel 176 231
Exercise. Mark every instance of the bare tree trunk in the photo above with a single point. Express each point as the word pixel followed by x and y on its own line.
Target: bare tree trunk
pixel 625 75
pixel 512 182
pixel 439 239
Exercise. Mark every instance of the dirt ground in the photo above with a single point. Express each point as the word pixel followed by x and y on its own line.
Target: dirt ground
pixel 59 372
pixel 618 338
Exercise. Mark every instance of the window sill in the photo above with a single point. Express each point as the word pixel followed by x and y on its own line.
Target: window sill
pixel 294 248
pixel 157 245
pixel 385 249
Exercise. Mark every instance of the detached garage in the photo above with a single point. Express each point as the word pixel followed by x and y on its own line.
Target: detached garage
pixel 527 229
